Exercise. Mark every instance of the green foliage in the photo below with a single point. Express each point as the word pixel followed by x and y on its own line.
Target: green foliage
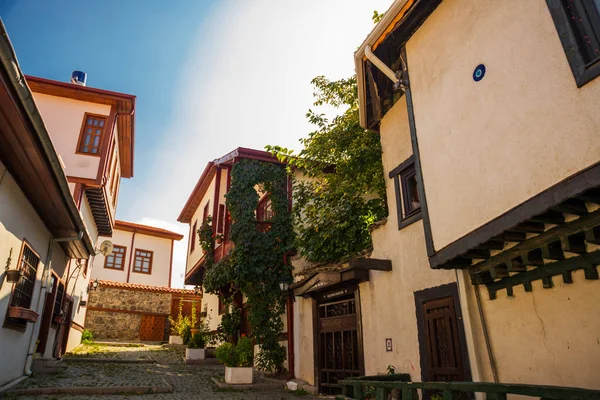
pixel 197 341
pixel 333 210
pixel 87 337
pixel 245 352
pixel 377 16
pixel 240 355
pixel 272 360
pixel 182 325
pixel 230 323
pixel 226 354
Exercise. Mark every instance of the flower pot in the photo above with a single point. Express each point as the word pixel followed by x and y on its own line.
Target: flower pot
pixel 175 339
pixel 239 375
pixel 23 313
pixel 13 275
pixel 195 354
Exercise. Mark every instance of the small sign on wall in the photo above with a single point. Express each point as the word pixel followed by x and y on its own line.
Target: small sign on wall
pixel 388 344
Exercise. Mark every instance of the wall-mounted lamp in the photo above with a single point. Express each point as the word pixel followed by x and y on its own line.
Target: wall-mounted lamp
pixel 197 290
pixel 284 286
pixel 93 285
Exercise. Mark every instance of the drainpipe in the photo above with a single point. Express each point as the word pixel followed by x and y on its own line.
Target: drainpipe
pixel 36 327
pixel 486 336
pixel 290 332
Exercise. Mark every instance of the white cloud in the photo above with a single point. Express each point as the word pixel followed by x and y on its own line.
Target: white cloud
pixel 247 83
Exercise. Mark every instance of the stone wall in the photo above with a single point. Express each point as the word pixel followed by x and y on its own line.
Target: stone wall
pixel 116 313
pixel 131 300
pixel 113 325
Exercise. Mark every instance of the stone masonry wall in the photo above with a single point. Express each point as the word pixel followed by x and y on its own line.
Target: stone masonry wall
pixel 106 323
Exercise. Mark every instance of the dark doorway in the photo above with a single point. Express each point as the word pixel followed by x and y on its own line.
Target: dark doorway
pixel 442 341
pixel 338 339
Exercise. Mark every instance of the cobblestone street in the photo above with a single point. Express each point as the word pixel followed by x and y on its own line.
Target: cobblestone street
pixel 158 366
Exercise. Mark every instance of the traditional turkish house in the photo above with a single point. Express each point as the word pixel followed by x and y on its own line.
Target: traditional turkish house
pixel 490 131
pixel 132 296
pixel 43 235
pixel 208 199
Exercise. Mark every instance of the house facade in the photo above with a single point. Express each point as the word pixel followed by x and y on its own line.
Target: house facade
pixel 490 148
pixel 43 234
pixel 208 200
pixel 132 296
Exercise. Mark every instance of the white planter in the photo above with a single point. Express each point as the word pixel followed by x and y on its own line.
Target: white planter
pixel 175 340
pixel 239 375
pixel 195 354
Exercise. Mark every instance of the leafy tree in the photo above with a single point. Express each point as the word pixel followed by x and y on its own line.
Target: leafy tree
pixel 345 191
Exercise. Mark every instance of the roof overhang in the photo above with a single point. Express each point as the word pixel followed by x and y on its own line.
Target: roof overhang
pixel 147 230
pixel 388 23
pixel 124 105
pixel 226 161
pixel 28 153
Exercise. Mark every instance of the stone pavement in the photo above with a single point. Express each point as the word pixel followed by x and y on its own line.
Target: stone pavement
pixel 166 366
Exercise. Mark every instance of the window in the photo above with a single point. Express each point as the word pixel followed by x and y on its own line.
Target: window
pixel 221 219
pixel 408 204
pixel 116 260
pixel 193 241
pixel 578 26
pixel 264 210
pixel 143 261
pixel 91 134
pixel 205 212
pixel 23 290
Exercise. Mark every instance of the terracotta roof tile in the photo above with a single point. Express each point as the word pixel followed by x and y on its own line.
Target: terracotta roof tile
pixel 148 288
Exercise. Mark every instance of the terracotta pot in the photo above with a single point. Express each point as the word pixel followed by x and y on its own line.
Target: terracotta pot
pixel 13 275
pixel 23 313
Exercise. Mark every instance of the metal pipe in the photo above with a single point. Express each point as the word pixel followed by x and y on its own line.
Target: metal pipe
pixel 486 336
pixel 380 64
pixel 37 325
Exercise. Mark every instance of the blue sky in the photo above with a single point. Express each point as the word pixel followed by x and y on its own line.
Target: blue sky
pixel 209 76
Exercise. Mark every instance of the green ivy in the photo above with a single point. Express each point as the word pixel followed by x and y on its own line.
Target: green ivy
pixel 256 266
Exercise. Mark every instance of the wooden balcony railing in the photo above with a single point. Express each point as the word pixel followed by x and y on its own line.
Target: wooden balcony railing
pixel 222 250
pixel 357 389
pixel 263 226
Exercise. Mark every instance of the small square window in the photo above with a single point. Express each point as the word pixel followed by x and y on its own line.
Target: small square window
pixel 116 260
pixel 408 203
pixel 143 261
pixel 578 27
pixel 91 134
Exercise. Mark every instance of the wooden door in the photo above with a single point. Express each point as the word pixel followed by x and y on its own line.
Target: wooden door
pixel 338 342
pixel 441 335
pixel 152 328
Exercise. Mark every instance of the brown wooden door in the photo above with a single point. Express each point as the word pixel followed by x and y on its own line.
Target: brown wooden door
pixel 152 328
pixel 339 344
pixel 441 335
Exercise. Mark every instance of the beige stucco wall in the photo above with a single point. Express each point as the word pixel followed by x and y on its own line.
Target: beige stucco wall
pixel 63 117
pixel 18 220
pixel 304 364
pixel 488 146
pixel 546 337
pixel 210 304
pixel 161 261
pixel 387 300
pixel 209 196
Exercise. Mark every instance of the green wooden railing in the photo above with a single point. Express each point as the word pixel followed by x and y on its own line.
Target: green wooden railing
pixel 357 388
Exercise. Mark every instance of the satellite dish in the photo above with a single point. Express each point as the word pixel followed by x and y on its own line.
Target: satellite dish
pixel 106 248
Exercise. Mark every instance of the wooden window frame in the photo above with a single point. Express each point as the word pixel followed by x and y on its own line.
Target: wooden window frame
pixel 583 71
pixel 221 219
pixel 205 211
pixel 261 208
pixel 124 255
pixel 9 322
pixel 193 237
pixel 401 174
pixel 135 256
pixel 82 134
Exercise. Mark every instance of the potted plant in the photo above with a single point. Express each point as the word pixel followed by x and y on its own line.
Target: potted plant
pixel 195 348
pixel 13 275
pixel 22 313
pixel 180 327
pixel 238 360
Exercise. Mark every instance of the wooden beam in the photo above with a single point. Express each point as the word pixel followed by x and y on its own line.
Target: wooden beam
pixel 572 206
pixel 530 227
pixel 480 254
pixel 592 235
pixel 516 265
pixel 574 243
pixel 499 271
pixel 553 251
pixel 533 258
pixel 591 196
pixel 371 264
pixel 511 236
pixel 493 244
pixel 550 217
pixel 554 234
pixel 587 262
